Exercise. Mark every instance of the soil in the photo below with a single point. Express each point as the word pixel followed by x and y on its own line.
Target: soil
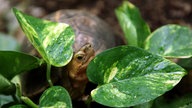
pixel 155 12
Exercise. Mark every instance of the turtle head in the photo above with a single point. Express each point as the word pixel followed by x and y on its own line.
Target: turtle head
pixel 77 67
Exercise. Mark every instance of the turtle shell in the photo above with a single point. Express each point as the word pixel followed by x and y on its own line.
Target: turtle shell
pixel 88 29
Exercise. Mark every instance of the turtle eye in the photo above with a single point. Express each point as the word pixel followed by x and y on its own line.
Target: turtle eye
pixel 80 56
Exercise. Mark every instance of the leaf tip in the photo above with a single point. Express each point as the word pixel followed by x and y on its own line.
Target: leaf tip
pixel 15 11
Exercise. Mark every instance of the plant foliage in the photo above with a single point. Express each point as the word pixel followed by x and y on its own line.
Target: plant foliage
pixel 131 77
pixel 51 39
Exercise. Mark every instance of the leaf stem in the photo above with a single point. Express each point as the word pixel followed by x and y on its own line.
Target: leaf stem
pixel 48 74
pixel 29 102
pixel 18 91
pixel 88 101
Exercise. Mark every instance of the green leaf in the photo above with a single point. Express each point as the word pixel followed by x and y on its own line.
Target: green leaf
pixel 5 99
pixel 131 77
pixel 13 63
pixel 55 97
pixel 8 43
pixel 171 41
pixel 6 87
pixel 52 40
pixel 144 105
pixel 184 101
pixel 134 27
pixel 19 106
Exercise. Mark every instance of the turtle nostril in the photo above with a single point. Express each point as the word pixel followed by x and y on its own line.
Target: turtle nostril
pixel 89 45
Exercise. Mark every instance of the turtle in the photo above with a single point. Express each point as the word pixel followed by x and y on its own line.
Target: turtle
pixel 92 36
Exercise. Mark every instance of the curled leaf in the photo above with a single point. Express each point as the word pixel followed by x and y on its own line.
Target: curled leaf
pixel 134 27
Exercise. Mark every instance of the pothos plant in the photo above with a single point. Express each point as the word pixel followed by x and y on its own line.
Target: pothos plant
pixel 137 75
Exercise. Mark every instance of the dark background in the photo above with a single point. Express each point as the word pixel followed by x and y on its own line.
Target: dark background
pixel 155 12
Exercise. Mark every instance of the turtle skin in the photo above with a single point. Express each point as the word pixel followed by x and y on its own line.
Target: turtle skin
pixel 92 36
